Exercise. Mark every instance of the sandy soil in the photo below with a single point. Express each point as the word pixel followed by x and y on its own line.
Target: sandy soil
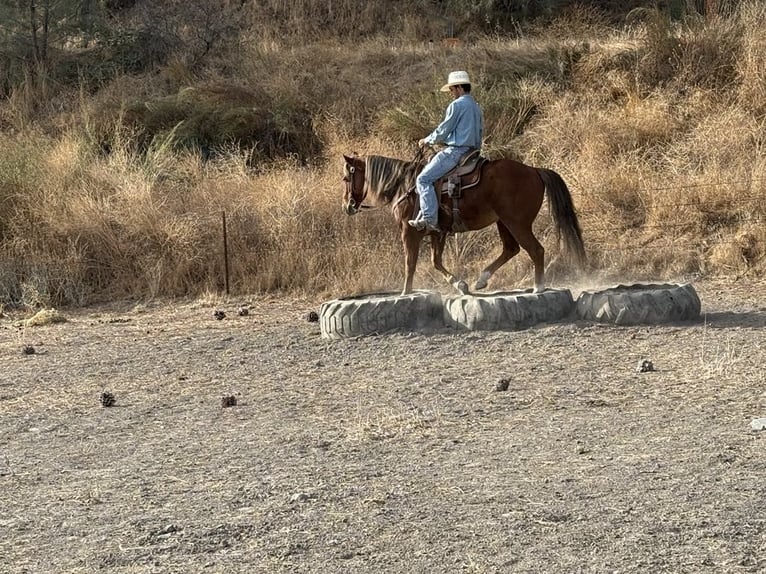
pixel 388 454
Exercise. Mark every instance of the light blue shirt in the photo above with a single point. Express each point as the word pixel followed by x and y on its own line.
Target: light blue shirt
pixel 462 125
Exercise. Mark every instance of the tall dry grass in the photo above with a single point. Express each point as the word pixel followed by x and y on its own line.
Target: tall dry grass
pixel 657 127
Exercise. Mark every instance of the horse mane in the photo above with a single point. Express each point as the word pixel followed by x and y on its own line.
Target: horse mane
pixel 385 177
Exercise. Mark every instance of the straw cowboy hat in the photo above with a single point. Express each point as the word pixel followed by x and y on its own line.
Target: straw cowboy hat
pixel 455 79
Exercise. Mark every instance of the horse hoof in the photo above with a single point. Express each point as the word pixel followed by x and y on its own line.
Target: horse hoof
pixel 483 279
pixel 462 286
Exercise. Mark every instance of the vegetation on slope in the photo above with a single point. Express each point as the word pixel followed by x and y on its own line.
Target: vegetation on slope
pixel 130 127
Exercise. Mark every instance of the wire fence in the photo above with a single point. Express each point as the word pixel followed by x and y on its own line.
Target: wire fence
pixel 690 227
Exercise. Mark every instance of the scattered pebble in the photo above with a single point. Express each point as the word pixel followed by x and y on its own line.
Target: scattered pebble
pixel 169 529
pixel 644 366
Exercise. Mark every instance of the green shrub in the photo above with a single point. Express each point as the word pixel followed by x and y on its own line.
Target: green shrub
pixel 212 118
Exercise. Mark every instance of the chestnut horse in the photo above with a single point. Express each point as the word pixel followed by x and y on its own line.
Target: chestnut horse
pixel 508 194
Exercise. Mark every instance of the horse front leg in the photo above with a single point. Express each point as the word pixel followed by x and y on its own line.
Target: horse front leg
pixel 437 250
pixel 411 243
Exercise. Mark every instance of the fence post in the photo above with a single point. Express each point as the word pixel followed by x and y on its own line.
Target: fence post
pixel 225 254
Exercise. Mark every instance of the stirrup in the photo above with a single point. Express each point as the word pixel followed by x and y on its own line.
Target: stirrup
pixel 422 225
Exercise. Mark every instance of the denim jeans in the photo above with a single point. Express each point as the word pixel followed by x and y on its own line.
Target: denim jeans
pixel 439 165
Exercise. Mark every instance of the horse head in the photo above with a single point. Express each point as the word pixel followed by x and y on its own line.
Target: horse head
pixel 354 191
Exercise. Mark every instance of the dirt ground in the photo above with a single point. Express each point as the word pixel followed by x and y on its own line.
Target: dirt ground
pixel 392 453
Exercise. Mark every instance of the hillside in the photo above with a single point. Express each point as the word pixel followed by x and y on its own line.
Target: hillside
pixel 131 128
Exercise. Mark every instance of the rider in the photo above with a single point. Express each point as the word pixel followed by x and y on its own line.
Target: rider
pixel 460 131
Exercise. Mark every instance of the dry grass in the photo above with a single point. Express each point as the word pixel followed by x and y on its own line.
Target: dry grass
pixel 751 66
pixel 665 163
pixel 45 317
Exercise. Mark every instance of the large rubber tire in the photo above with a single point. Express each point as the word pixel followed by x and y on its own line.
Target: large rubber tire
pixel 507 310
pixel 377 313
pixel 640 304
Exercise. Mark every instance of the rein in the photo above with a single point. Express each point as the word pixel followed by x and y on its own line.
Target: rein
pixel 402 198
pixel 388 179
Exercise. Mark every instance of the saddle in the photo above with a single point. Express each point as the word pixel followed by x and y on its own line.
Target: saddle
pixel 465 175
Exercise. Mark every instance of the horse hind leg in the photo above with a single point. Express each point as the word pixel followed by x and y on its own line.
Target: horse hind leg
pixel 437 250
pixel 536 252
pixel 510 250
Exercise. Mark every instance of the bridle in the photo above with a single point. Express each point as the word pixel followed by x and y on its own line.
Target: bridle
pixel 353 205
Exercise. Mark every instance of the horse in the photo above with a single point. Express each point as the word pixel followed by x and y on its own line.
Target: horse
pixel 508 194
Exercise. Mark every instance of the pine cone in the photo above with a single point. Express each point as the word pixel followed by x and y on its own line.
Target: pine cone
pixel 230 401
pixel 243 312
pixel 107 399
pixel 219 314
pixel 312 317
pixel 28 350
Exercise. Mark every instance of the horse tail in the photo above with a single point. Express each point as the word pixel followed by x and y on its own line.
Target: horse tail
pixel 562 209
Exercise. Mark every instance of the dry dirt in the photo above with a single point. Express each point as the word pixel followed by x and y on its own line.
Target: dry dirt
pixel 390 454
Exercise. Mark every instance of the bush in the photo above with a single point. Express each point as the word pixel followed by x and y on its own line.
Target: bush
pixel 217 117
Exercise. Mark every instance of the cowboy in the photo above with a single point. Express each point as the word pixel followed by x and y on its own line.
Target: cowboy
pixel 461 132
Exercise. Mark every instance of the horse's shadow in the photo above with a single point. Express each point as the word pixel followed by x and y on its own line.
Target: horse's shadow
pixel 729 319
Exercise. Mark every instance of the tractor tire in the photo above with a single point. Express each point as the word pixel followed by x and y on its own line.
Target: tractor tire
pixel 377 313
pixel 507 310
pixel 640 304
